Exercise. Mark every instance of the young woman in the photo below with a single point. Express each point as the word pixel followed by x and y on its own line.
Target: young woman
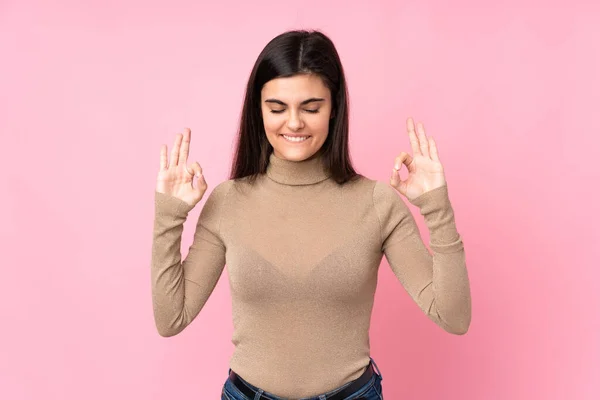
pixel 303 234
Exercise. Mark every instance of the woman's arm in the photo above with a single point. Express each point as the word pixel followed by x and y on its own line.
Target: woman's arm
pixel 180 289
pixel 437 282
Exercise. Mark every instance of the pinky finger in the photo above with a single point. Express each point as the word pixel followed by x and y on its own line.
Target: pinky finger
pixel 163 157
pixel 433 150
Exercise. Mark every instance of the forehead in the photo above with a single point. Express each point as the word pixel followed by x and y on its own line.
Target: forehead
pixel 295 88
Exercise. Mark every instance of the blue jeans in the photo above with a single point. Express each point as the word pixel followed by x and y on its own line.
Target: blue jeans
pixel 369 391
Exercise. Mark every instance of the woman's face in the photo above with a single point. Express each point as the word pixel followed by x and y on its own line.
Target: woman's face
pixel 296 113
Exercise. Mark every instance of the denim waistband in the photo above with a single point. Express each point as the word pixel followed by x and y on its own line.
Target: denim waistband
pixel 270 396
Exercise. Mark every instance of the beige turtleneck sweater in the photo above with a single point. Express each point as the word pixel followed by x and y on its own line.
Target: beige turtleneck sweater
pixel 302 255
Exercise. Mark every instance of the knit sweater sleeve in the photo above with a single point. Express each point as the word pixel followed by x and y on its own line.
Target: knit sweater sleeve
pixel 180 289
pixel 438 281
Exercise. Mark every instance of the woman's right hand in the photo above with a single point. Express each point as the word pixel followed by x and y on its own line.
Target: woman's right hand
pixel 175 177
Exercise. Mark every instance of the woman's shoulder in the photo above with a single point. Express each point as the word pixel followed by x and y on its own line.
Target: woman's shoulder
pixel 380 192
pixel 362 182
pixel 238 185
pixel 222 188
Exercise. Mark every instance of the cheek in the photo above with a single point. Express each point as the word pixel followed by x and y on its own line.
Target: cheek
pixel 271 122
pixel 320 125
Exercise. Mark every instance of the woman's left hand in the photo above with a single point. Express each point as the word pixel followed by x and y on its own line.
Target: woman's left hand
pixel 425 171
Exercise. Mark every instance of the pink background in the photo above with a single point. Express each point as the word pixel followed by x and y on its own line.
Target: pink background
pixel 88 93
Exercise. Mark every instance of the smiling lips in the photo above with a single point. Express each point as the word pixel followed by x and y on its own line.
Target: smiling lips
pixel 295 138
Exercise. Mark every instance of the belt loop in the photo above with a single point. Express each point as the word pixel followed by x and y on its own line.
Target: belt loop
pixel 322 397
pixel 376 368
pixel 259 394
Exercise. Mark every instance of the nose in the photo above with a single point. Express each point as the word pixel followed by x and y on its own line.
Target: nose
pixel 294 122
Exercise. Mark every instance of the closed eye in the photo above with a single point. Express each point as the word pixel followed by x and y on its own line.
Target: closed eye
pixel 308 111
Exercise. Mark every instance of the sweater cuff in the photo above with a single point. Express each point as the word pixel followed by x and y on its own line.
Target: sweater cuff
pixel 433 200
pixel 170 206
pixel 437 210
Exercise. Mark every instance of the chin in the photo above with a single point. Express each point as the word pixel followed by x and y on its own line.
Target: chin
pixel 294 152
pixel 292 155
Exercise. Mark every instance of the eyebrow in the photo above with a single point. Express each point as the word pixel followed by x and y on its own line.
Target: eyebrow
pixel 311 100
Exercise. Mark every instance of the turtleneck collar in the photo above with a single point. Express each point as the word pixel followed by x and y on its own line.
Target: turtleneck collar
pixel 306 172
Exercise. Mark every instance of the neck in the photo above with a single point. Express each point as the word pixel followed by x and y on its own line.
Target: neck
pixel 305 172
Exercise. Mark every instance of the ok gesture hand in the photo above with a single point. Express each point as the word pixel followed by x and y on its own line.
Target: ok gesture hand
pixel 425 171
pixel 175 178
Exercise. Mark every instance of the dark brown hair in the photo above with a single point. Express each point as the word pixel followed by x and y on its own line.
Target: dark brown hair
pixel 292 53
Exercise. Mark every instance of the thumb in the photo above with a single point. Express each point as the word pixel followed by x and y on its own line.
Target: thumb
pixel 397 183
pixel 196 168
pixel 201 182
